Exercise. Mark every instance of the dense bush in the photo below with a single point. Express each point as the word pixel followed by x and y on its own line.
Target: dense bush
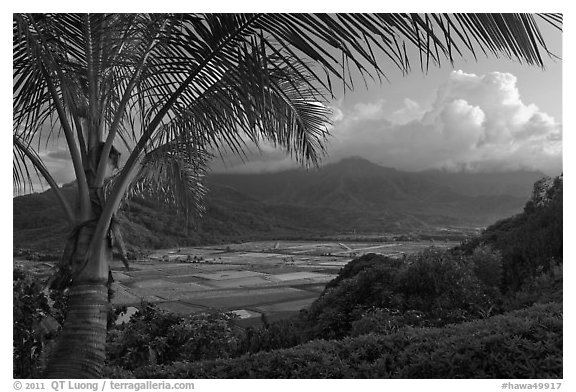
pixel 386 321
pixel 543 288
pixel 38 314
pixel 431 288
pixel 442 286
pixel 366 282
pixel 520 344
pixel 360 264
pixel 487 265
pixel 271 336
pixel 30 306
pixel 154 336
pixel 531 242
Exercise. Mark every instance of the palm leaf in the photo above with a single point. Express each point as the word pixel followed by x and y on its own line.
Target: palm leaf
pixel 171 174
pixel 23 157
pixel 22 174
pixel 178 57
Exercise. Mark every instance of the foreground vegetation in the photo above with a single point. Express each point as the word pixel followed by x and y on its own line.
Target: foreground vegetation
pixel 489 309
pixel 522 344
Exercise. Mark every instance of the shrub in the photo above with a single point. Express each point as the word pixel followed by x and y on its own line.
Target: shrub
pixel 30 306
pixel 520 344
pixel 154 336
pixel 271 336
pixel 372 285
pixel 544 288
pixel 487 265
pixel 438 286
pixel 531 242
pixel 443 287
pixel 116 371
pixel 386 321
pixel 359 264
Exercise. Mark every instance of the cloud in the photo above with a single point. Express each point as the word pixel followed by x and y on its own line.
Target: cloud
pixel 268 159
pixel 59 165
pixel 59 154
pixel 411 111
pixel 476 122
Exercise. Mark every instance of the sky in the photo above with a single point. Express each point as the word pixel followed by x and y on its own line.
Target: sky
pixel 478 115
pixel 486 115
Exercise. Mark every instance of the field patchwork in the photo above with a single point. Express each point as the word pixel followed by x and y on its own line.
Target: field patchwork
pixel 272 278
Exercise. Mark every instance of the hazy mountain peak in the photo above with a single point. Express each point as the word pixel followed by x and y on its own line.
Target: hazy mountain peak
pixel 356 166
pixel 355 160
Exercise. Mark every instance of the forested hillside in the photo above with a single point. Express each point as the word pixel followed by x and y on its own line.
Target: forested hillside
pixel 352 196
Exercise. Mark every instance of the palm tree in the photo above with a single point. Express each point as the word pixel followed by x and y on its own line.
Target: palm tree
pixel 170 90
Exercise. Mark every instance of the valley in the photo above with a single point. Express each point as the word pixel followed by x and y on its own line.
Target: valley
pixel 267 244
pixel 271 278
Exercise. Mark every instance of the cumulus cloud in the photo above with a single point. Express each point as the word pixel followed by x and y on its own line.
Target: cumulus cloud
pixel 411 111
pixel 476 122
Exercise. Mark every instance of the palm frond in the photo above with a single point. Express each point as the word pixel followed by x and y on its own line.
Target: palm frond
pixel 171 174
pixel 147 67
pixel 23 157
pixel 262 98
pixel 23 173
pixel 207 46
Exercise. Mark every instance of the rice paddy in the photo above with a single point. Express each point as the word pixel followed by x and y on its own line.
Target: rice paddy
pixel 275 278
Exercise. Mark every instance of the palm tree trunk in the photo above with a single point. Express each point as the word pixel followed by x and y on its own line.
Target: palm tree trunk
pixel 80 348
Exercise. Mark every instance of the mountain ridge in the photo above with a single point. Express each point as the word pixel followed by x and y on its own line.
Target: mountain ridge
pixel 354 195
pixel 358 183
pixel 521 180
